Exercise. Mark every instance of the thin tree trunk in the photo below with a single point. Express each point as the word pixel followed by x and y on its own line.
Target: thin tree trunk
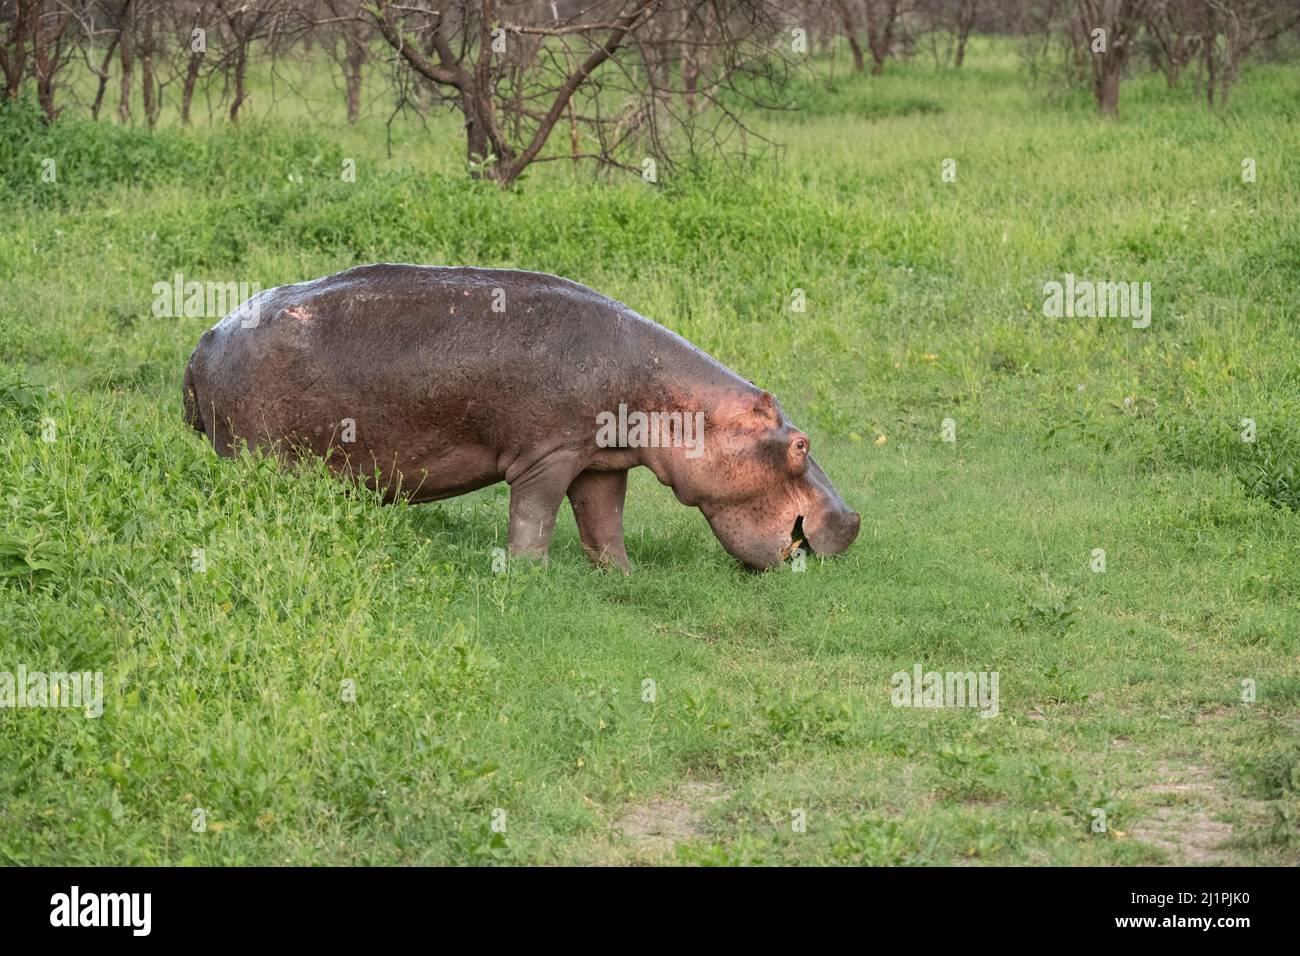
pixel 152 106
pixel 103 79
pixel 356 54
pixel 46 48
pixel 965 23
pixel 478 145
pixel 15 62
pixel 880 36
pixel 124 82
pixel 851 31
pixel 1108 91
pixel 241 69
pixel 187 89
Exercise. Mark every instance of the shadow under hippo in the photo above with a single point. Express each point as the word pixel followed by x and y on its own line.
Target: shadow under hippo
pixel 428 382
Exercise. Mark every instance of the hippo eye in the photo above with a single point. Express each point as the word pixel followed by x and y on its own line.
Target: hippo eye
pixel 801 444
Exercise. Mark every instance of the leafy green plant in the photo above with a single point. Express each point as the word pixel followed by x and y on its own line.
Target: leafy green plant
pixel 807 718
pixel 30 558
pixel 965 771
pixel 1054 612
pixel 871 842
pixel 1273 478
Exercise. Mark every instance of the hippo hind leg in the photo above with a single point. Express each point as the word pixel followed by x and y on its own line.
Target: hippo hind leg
pixel 597 498
pixel 535 497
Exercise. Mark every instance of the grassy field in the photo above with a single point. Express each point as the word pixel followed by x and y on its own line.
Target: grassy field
pixel 518 698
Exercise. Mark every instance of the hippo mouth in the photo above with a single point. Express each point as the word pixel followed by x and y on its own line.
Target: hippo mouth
pixel 797 540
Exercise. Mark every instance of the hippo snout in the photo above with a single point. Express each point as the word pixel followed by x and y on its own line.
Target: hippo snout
pixel 834 533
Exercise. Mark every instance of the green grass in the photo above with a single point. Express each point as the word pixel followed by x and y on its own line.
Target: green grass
pixel 523 692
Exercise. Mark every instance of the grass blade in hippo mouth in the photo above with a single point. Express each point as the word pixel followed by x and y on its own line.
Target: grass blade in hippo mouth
pixel 797 540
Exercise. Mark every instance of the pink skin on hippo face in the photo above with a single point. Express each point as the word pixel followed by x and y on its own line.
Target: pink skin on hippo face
pixel 761 490
pixel 428 382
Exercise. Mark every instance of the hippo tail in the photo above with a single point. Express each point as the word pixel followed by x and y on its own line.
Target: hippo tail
pixel 190 398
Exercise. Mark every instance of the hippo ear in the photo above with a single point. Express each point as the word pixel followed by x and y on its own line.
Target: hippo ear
pixel 765 411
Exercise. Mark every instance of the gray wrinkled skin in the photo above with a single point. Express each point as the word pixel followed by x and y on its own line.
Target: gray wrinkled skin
pixel 448 395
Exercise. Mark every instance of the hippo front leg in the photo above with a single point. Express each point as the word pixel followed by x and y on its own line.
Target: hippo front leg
pixel 597 499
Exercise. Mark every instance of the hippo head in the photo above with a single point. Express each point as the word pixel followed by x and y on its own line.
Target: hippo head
pixel 760 489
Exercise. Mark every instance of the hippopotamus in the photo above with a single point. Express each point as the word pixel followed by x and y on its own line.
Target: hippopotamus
pixel 428 382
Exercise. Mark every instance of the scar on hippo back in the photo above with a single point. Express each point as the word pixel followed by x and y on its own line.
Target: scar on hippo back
pixel 296 312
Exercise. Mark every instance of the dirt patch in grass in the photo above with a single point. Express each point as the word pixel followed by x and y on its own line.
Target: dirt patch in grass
pixel 660 824
pixel 1189 825
pixel 650 831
